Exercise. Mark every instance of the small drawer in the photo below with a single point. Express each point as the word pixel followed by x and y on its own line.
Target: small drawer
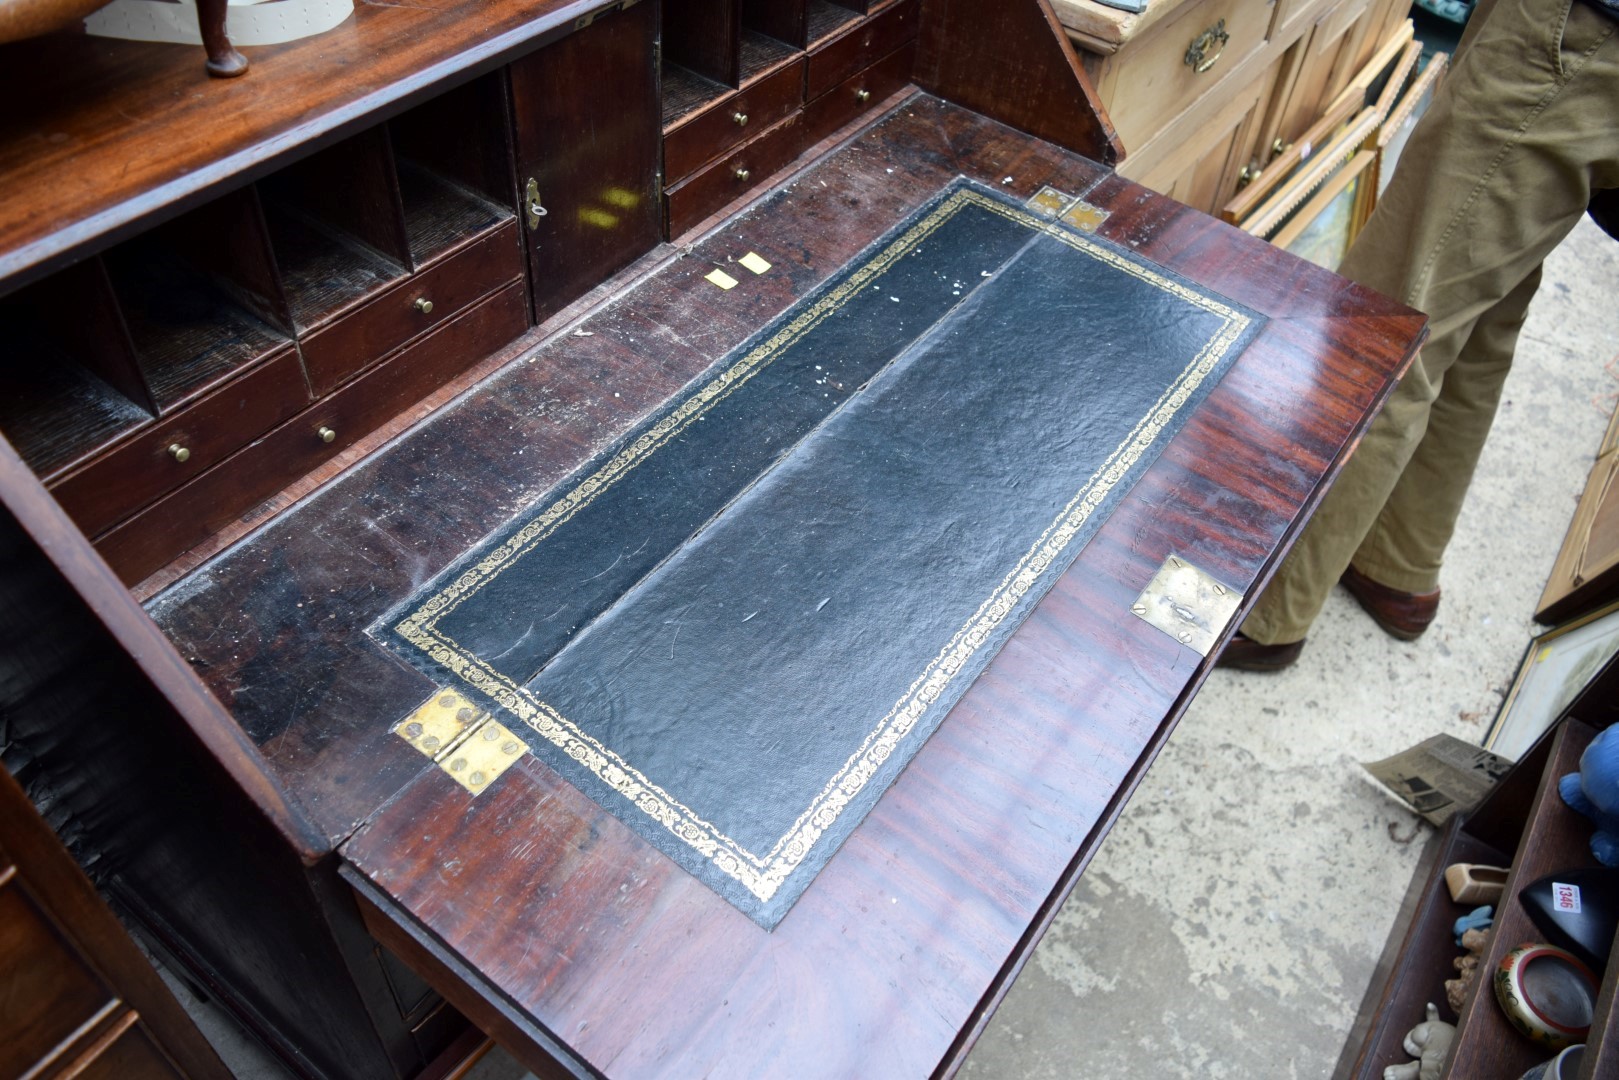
pixel 337 352
pixel 1156 83
pixel 183 445
pixel 188 516
pixel 744 169
pixel 857 47
pixel 710 133
pixel 861 93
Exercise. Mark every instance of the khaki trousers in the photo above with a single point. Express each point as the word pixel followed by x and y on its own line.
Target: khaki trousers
pixel 1521 132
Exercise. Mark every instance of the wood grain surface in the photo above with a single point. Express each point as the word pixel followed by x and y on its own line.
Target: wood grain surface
pixel 120 133
pixel 555 925
pixel 1012 62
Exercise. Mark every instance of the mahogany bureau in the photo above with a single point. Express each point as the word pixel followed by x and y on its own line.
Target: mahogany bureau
pixel 273 364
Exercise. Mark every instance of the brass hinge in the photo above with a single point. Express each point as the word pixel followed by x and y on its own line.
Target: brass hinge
pixel 1070 209
pixel 466 742
pixel 1085 216
pixel 1049 202
pixel 1187 604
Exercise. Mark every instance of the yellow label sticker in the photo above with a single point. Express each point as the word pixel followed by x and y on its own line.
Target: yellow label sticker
pixel 753 262
pixel 721 278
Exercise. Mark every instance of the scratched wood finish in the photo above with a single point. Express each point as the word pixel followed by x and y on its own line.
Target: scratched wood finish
pixel 117 133
pixel 896 954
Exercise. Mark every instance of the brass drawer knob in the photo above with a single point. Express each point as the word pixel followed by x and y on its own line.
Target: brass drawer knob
pixel 326 434
pixel 743 174
pixel 741 119
pixel 179 453
pixel 862 96
pixel 1211 41
pixel 423 305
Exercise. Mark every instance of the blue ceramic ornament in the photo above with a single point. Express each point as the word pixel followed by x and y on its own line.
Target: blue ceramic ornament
pixel 1594 792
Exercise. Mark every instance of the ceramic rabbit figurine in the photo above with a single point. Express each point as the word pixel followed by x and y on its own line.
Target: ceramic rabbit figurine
pixel 1428 1042
pixel 1594 792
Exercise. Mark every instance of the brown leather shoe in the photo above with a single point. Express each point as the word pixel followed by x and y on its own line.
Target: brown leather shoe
pixel 1243 653
pixel 1401 614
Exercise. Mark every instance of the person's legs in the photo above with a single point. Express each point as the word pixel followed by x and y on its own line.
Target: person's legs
pixel 1498 172
pixel 1404 548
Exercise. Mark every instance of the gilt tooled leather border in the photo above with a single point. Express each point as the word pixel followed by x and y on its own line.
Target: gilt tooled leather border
pixel 763 874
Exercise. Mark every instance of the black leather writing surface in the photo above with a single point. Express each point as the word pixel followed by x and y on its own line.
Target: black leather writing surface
pixel 734 629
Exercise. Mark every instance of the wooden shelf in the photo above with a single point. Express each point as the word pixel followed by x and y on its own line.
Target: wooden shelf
pixel 54 411
pixel 324 272
pixel 824 19
pixel 1554 838
pixel 440 215
pixel 1547 836
pixel 188 334
pixel 685 91
pixel 1425 959
pixel 118 134
pixel 761 54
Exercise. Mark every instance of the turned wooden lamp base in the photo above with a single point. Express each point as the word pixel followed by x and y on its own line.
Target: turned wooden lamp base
pixel 20 19
pixel 224 62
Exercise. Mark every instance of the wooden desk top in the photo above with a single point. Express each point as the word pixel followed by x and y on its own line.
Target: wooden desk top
pixel 553 925
pixel 103 137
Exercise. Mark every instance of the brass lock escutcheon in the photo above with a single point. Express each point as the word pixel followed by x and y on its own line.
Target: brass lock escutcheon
pixel 1211 41
pixel 532 210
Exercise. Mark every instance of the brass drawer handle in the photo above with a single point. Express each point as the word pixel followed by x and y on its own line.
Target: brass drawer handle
pixel 326 434
pixel 1197 54
pixel 423 305
pixel 179 453
pixel 741 119
pixel 862 96
pixel 743 174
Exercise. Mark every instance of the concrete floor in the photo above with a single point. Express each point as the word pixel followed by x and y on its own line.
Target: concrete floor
pixel 1230 925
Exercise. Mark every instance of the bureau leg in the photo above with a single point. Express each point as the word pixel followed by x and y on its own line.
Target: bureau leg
pixel 224 62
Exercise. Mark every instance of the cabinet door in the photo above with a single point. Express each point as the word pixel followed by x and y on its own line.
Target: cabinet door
pixel 1205 172
pixel 587 127
pixel 1319 67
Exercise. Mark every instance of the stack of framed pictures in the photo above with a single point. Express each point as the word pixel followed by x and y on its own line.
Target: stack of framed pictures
pixel 1586 572
pixel 1561 667
pixel 1573 667
pixel 1316 195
